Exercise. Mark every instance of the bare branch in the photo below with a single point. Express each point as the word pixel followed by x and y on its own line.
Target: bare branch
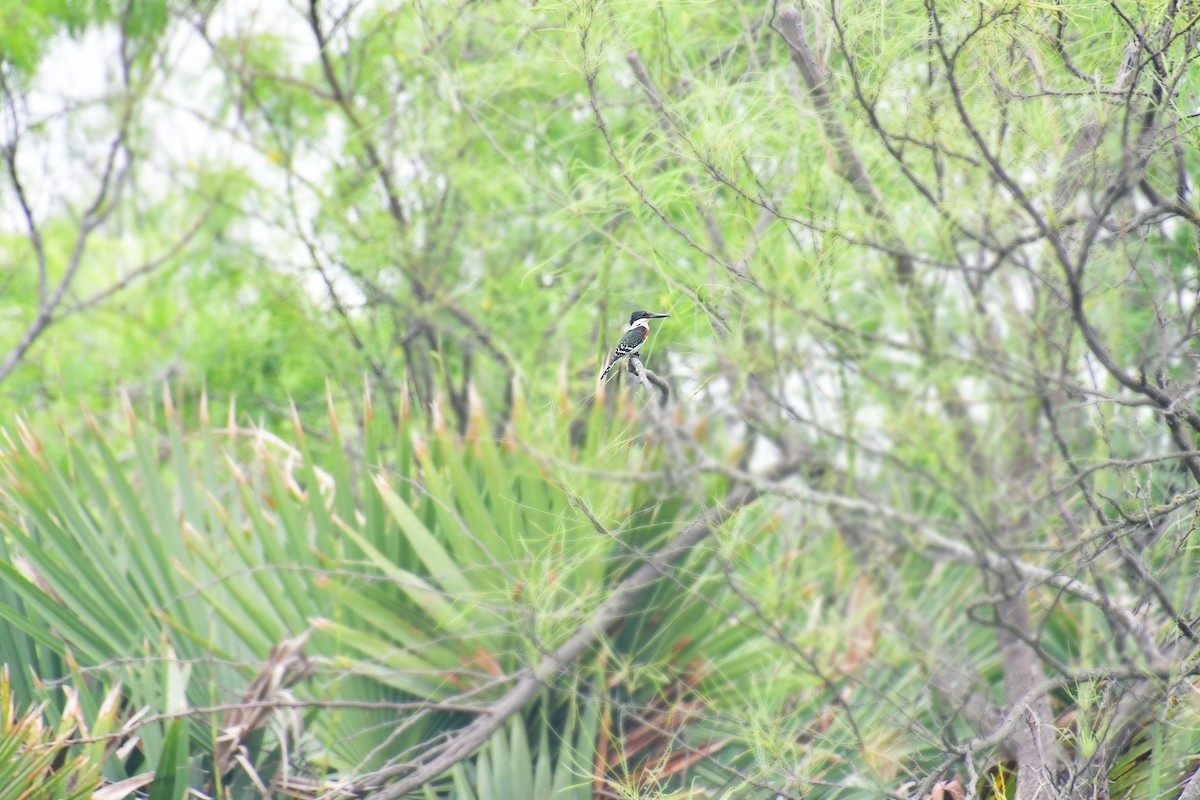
pixel 99 209
pixel 648 377
pixel 376 161
pixel 145 268
pixel 1191 790
pixel 1034 742
pixel 792 30
pixel 35 236
pixel 606 616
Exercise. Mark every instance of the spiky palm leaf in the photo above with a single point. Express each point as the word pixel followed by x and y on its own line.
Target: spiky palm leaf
pixel 175 559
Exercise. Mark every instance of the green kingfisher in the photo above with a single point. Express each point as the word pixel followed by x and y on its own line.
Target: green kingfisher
pixel 634 338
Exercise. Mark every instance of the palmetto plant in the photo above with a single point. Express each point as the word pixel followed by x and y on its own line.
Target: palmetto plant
pixel 39 757
pixel 400 576
pixel 240 612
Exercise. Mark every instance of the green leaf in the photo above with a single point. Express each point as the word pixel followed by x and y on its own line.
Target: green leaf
pixel 441 565
pixel 171 774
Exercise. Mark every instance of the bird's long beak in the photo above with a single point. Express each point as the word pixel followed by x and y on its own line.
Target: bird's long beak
pixel 659 316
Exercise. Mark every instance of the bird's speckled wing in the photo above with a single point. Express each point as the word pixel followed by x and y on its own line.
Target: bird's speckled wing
pixel 631 341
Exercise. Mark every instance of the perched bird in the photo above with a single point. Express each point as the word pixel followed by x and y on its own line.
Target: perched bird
pixel 634 338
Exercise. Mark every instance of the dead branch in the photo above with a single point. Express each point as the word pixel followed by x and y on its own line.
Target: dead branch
pixel 285 667
pixel 104 201
pixel 607 615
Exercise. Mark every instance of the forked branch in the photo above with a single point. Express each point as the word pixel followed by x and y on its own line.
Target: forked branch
pixel 647 377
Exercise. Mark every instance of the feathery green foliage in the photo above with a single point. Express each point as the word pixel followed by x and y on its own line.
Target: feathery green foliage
pixel 931 271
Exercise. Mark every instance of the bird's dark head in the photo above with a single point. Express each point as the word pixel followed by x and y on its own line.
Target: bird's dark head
pixel 635 316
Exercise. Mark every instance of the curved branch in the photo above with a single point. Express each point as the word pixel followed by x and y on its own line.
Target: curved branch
pixel 619 604
pixel 646 377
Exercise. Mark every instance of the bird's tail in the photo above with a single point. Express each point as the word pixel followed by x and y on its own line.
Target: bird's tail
pixel 608 369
